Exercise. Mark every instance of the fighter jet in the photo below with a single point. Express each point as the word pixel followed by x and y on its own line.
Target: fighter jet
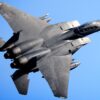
pixel 36 45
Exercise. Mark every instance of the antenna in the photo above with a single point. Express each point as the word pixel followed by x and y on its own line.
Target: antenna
pixel 46 18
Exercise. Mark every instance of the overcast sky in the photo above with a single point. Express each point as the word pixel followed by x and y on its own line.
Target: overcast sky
pixel 84 83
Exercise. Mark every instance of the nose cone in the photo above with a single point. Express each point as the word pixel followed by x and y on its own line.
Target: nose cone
pixel 89 28
pixel 95 24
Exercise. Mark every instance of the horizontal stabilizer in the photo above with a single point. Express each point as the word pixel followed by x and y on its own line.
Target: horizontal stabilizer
pixel 2 42
pixel 21 81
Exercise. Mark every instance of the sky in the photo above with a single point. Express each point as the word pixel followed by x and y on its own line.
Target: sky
pixel 84 82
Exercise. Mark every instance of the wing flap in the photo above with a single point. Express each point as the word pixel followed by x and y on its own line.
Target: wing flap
pixel 56 71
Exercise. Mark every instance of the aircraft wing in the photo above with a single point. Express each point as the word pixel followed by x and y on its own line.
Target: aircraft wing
pixel 55 70
pixel 20 21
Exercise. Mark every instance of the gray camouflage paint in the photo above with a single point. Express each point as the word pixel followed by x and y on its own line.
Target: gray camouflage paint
pixel 38 46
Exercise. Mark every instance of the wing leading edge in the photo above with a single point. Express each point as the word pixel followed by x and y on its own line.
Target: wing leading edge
pixel 55 70
pixel 20 21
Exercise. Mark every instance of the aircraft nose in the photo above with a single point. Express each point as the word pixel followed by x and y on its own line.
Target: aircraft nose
pixel 89 28
pixel 96 24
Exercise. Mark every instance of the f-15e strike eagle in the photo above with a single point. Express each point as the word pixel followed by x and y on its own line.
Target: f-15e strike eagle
pixel 38 46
